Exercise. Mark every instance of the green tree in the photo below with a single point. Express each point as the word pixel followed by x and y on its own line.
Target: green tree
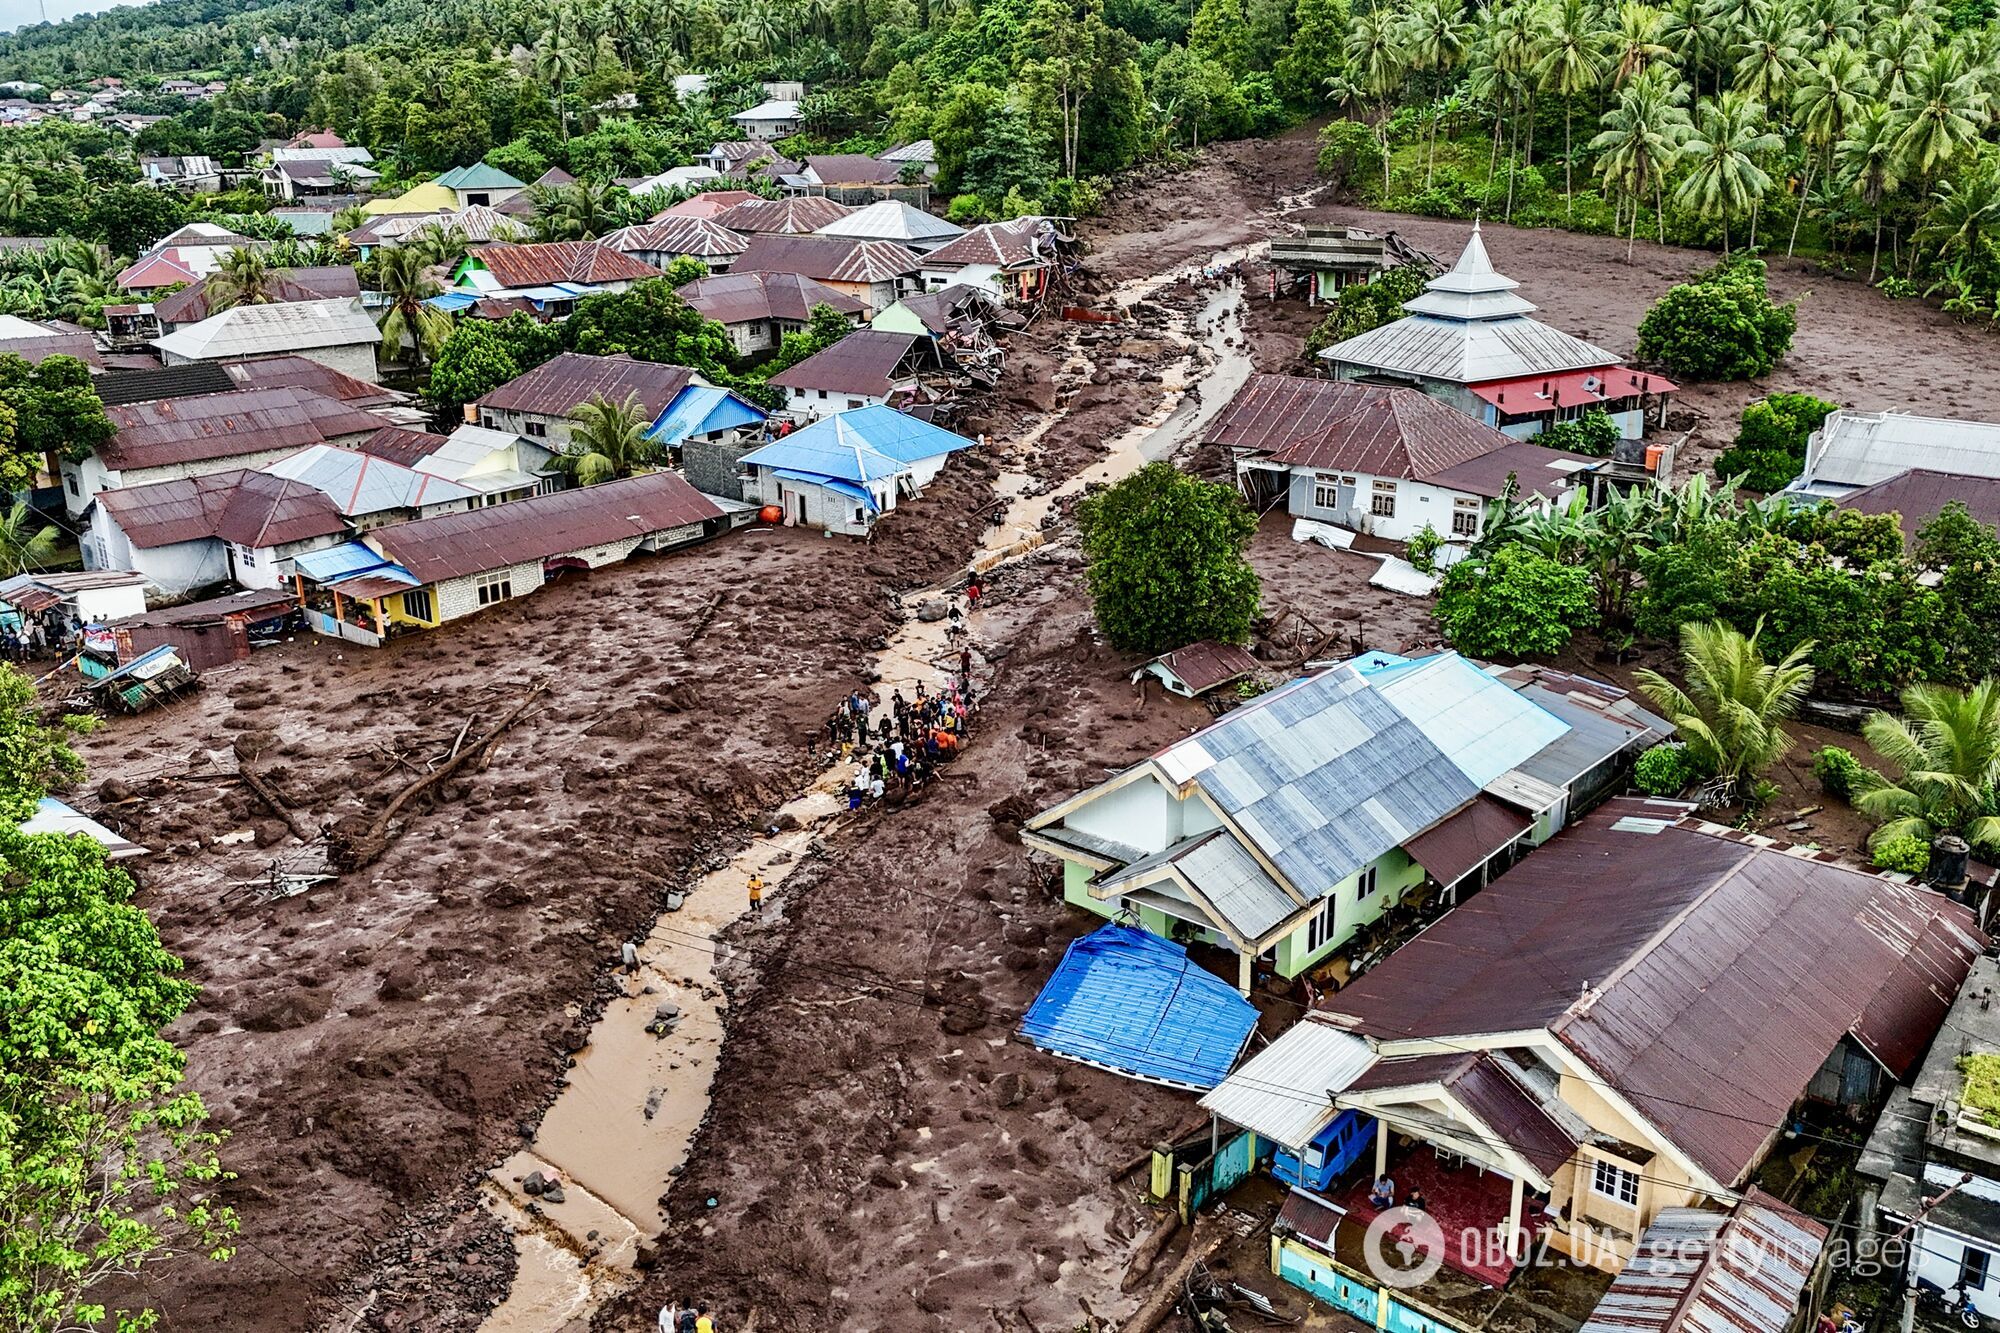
pixel 1572 64
pixel 650 322
pixel 407 322
pixel 1640 143
pixel 243 278
pixel 1722 325
pixel 1732 711
pixel 1166 560
pixel 26 540
pixel 1871 168
pixel 55 411
pixel 607 442
pixel 1724 181
pixel 1963 555
pixel 1945 753
pixel 825 326
pixel 1516 603
pixel 1318 35
pixel 128 218
pixel 483 354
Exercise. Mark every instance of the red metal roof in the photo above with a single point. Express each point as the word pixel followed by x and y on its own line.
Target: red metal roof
pixel 1368 428
pixel 559 261
pixel 1704 977
pixel 742 298
pixel 1204 665
pixel 558 387
pixel 1486 1090
pixel 795 217
pixel 225 425
pixel 452 545
pixel 255 604
pixel 866 361
pixel 242 506
pixel 402 445
pixel 707 204
pixel 1006 245
pixel 1451 850
pixel 1575 388
pixel 155 270
pixel 324 282
pixel 828 258
pixel 37 350
pixel 299 372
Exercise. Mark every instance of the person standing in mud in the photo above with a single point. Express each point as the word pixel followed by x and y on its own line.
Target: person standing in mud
pixel 756 894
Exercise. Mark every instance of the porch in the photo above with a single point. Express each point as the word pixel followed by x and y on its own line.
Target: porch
pixel 1475 1209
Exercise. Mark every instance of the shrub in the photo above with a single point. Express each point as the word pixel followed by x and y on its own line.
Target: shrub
pixel 1166 560
pixel 1367 305
pixel 1723 325
pixel 1517 604
pixel 1837 770
pixel 1343 145
pixel 1424 548
pixel 969 210
pixel 1770 447
pixel 1905 852
pixel 1664 770
pixel 1594 433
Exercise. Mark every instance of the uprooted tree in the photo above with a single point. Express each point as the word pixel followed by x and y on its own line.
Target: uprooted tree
pixel 1166 560
pixel 106 1163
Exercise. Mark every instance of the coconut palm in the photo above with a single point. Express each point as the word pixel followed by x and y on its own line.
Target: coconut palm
pixel 17 193
pixel 1731 713
pixel 560 59
pixel 1828 22
pixel 1572 64
pixel 1725 181
pixel 1940 115
pixel 607 441
pixel 406 319
pixel 1829 96
pixel 242 278
pixel 1691 33
pixel 1770 57
pixel 26 540
pixel 1641 141
pixel 1436 36
pixel 1963 223
pixel 1871 167
pixel 1897 48
pixel 1379 59
pixel 1639 42
pixel 1945 750
pixel 348 219
pixel 438 244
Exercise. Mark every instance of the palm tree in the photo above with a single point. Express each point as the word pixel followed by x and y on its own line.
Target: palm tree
pixel 1572 64
pixel 17 193
pixel 1770 57
pixel 1871 167
pixel 1639 41
pixel 1828 98
pixel 348 219
pixel 1640 143
pixel 242 278
pixel 1828 22
pixel 438 244
pixel 1379 60
pixel 26 542
pixel 608 441
pixel 1964 219
pixel 1730 715
pixel 1436 34
pixel 1948 764
pixel 1725 181
pixel 559 58
pixel 1690 34
pixel 1940 115
pixel 1511 48
pixel 1897 48
pixel 404 279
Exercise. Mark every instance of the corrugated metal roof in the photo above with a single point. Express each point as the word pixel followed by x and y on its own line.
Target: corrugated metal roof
pixel 892 220
pixel 253 604
pixel 1722 972
pixel 359 483
pixel 320 283
pixel 1016 244
pixel 248 508
pixel 1595 735
pixel 699 237
pixel 225 425
pixel 254 330
pixel 479 176
pixel 700 408
pixel 1697 1271
pixel 827 258
pixel 866 361
pixel 742 298
pixel 1852 449
pixel 707 204
pixel 401 444
pixel 117 388
pixel 542 526
pixel 1918 495
pixel 1310 1217
pixel 1482 725
pixel 1216 869
pixel 1536 470
pixel 557 387
pixel 301 372
pixel 790 217
pixel 862 445
pixel 1432 347
pixel 53 816
pixel 1207 664
pixel 1133 1003
pixel 1285 1092
pixel 852 169
pixel 513 266
pixel 1453 849
pixel 1334 424
pixel 917 150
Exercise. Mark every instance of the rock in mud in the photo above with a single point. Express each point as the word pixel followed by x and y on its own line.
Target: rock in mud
pixel 535 1184
pixel 1008 1090
pixel 932 611
pixel 553 1194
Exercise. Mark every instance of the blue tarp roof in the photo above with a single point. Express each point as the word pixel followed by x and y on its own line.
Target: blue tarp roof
pixel 453 301
pixel 1133 1003
pixel 862 445
pixel 345 561
pixel 700 408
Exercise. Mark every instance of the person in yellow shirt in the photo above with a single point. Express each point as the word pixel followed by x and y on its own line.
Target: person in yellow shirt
pixel 756 893
pixel 702 1323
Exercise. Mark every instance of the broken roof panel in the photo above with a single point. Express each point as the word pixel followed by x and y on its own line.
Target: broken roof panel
pixel 302 372
pixel 1697 1271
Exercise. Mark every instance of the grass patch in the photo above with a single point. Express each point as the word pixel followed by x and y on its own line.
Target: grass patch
pixel 1982 1087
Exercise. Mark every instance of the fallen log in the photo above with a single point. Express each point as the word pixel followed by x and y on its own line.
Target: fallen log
pixel 1149 1250
pixel 1204 1240
pixel 266 793
pixel 352 848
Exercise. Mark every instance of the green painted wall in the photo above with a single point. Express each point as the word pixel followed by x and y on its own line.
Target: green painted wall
pixel 1076 891
pixel 1394 873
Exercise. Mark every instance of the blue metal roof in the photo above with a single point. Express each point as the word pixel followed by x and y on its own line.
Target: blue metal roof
pixel 700 408
pixel 345 561
pixel 862 445
pixel 453 301
pixel 1132 1003
pixel 859 494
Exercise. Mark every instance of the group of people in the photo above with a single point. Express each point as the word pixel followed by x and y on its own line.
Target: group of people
pixel 31 637
pixel 1382 1196
pixel 678 1318
pixel 902 748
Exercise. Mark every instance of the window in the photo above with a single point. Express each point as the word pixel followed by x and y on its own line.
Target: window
pixel 488 420
pixel 69 479
pixel 538 428
pixel 417 605
pixel 478 200
pixel 853 402
pixel 822 393
pixel 1615 1182
pixel 1364 885
pixel 495 588
pixel 1465 518
pixel 246 557
pixel 1973 1266
pixel 1319 928
pixel 1326 491
pixel 1383 503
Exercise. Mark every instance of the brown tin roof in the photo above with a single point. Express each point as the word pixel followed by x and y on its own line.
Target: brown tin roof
pixel 1461 844
pixel 1204 665
pixel 1916 497
pixel 558 387
pixel 402 445
pixel 792 217
pixel 224 425
pixel 248 508
pixel 742 298
pixel 1489 1092
pixel 319 283
pixel 1006 245
pixel 827 258
pixel 304 373
pixel 852 169
pixel 1370 428
pixel 453 545
pixel 37 350
pixel 560 261
pixel 866 361
pixel 1703 976
pixel 678 236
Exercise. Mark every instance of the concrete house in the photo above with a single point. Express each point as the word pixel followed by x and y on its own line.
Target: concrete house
pixel 759 309
pixel 1620 1026
pixel 1283 830
pixel 195 174
pixel 189 253
pixel 784 217
pixel 191 305
pixel 845 471
pixel 1380 459
pixel 1470 342
pixel 555 275
pixel 336 333
pixel 1852 450
pixel 660 243
pixel 874 273
pixel 867 368
pixel 480 184
pixel 773 119
pixel 496 465
pixel 894 220
pixel 540 404
pixel 297 178
pixel 1013 259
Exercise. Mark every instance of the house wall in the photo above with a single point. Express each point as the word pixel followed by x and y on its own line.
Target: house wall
pixel 491 197
pixel 82 481
pixel 1936 1255
pixel 1141 814
pixel 1394 871
pixel 1453 395
pixel 172 569
pixel 1603 1231
pixel 1416 504
pixel 822 508
pixel 460 596
pixel 712 466
pixel 812 404
pixel 972 275
pixel 549 432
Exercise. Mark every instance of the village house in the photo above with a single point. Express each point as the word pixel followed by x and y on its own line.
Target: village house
pixel 1918 495
pixel 759 309
pixel 430 197
pixel 522 205
pixel 704 414
pixel 961 323
pixel 843 472
pixel 420 575
pixel 1015 259
pixel 673 178
pixel 874 273
pixel 555 276
pixel 1622 1025
pixel 164 440
pixel 735 157
pixel 660 243
pixel 541 403
pixel 1931 1168
pixel 1324 258
pixel 772 119
pixel 867 368
pixel 1389 461
pixel 191 305
pixel 495 465
pixel 480 184
pixel 1286 830
pixel 342 173
pixel 336 333
pixel 894 220
pixel 782 217
pixel 708 204
pixel 318 378
pixel 197 174
pixel 36 342
pixel 1754 1265
pixel 855 178
pixel 920 151
pixel 472 227
pixel 209 633
pixel 187 254
pixel 1469 342
pixel 89 597
pixel 1852 450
